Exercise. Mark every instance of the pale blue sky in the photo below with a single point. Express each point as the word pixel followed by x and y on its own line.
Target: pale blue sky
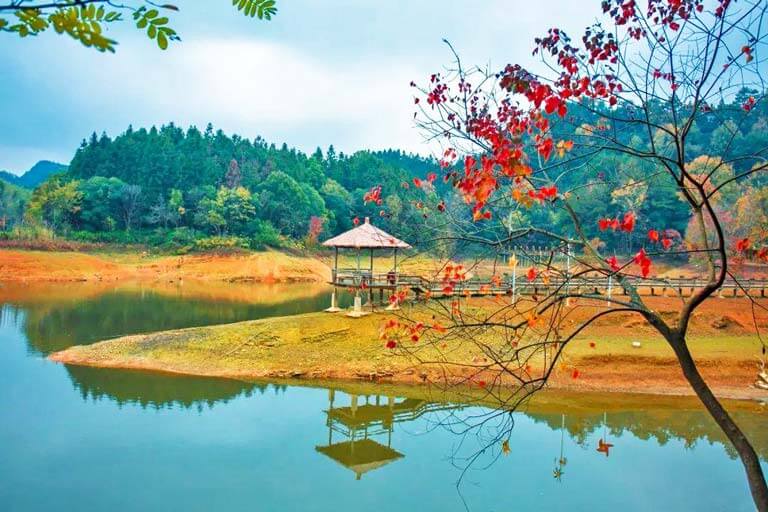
pixel 321 72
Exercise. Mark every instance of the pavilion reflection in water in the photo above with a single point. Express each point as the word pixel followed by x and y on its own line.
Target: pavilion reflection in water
pixel 358 423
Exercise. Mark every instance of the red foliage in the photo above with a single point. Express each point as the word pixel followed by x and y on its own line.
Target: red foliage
pixel 642 259
pixel 743 245
pixel 373 195
pixel 315 227
pixel 628 224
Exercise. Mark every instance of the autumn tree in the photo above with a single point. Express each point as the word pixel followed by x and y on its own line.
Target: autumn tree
pixel 87 21
pixel 523 145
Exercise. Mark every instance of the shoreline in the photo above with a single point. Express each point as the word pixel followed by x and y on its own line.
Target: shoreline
pixel 268 266
pixel 409 381
pixel 319 347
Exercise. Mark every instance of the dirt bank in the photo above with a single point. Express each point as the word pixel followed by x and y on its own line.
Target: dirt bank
pixel 267 266
pixel 333 346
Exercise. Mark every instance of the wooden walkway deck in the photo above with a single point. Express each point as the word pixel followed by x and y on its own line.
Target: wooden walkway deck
pixel 598 285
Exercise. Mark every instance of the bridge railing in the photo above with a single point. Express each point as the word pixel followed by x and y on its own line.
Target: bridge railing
pixel 354 278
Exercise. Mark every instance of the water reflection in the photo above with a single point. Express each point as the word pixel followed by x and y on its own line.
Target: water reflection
pixel 365 419
pixel 298 447
pixel 158 391
pixel 58 316
pixel 661 419
pixel 360 424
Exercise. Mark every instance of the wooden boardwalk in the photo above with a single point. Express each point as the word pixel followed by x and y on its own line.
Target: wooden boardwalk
pixel 519 285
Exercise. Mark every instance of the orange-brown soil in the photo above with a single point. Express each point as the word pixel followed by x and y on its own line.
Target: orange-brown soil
pixel 267 266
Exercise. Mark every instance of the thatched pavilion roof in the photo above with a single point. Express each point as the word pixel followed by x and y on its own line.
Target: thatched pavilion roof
pixel 361 455
pixel 366 236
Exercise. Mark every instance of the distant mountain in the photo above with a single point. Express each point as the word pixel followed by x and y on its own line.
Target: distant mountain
pixel 35 176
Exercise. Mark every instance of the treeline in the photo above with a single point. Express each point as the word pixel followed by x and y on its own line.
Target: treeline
pixel 205 189
pixel 186 189
pixel 13 202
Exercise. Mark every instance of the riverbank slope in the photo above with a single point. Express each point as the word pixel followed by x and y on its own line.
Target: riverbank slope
pixel 266 266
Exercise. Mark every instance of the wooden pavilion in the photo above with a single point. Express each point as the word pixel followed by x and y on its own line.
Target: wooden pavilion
pixel 365 236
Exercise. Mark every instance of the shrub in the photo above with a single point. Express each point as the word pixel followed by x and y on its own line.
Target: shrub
pixel 214 243
pixel 264 235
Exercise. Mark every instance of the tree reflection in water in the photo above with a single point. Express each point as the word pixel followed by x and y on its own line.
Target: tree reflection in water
pixel 53 320
pixel 360 423
pixel 160 391
pixel 360 418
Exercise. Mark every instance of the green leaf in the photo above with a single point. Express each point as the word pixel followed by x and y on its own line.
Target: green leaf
pixel 152 13
pixel 152 31
pixel 162 41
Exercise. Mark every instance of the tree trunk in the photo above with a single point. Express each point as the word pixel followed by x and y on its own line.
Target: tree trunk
pixel 747 454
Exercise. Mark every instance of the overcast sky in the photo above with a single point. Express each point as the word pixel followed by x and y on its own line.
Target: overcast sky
pixel 322 72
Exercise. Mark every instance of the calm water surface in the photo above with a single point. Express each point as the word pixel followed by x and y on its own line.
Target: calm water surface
pixel 74 438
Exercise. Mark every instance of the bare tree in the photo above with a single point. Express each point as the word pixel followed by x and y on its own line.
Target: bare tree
pixel 518 143
pixel 130 202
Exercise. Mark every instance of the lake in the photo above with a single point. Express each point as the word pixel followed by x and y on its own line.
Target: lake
pixel 75 438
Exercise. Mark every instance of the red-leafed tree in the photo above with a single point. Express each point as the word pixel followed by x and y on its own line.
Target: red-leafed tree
pixel 517 140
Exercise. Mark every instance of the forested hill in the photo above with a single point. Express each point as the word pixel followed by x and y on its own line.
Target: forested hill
pixel 222 185
pixel 203 189
pixel 34 176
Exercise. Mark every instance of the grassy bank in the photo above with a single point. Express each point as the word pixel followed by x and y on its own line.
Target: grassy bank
pixel 333 346
pixel 266 266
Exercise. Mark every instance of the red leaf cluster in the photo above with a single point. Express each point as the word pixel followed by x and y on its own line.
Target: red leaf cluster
pixel 373 195
pixel 626 224
pixel 743 245
pixel 642 259
pixel 544 193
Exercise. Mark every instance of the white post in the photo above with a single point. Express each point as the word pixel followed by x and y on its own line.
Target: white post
pixel 357 308
pixel 334 302
pixel 610 286
pixel 358 300
pixel 513 261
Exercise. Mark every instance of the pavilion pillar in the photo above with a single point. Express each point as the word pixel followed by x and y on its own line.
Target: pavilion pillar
pixel 358 301
pixel 335 264
pixel 334 275
pixel 370 283
pixel 357 309
pixel 396 276
pixel 394 306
